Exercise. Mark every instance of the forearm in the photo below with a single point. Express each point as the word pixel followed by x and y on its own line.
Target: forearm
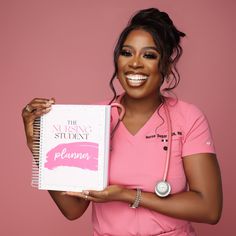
pixel 202 203
pixel 71 207
pixel 189 205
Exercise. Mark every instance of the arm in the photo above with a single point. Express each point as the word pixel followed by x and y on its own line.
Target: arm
pixel 202 203
pixel 71 207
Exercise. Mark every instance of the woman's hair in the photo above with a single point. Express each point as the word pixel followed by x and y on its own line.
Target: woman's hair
pixel 166 38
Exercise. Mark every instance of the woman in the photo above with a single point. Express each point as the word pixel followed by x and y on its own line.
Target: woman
pixel 145 60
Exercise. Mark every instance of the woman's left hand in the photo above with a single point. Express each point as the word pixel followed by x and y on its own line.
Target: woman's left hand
pixel 111 193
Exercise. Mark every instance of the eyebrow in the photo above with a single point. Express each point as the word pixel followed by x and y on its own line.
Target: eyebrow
pixel 151 47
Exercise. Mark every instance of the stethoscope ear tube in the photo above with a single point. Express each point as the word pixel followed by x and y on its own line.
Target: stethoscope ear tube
pixel 121 116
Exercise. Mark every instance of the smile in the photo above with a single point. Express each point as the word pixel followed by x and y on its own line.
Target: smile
pixel 135 80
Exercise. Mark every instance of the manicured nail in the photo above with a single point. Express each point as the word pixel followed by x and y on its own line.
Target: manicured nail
pixel 85 192
pixel 52 100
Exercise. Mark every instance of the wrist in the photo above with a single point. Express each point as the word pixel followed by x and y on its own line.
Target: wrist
pixel 129 195
pixel 137 199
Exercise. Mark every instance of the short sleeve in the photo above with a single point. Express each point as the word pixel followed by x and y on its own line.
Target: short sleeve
pixel 197 133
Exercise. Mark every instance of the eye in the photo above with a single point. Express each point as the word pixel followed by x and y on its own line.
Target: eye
pixel 125 53
pixel 150 55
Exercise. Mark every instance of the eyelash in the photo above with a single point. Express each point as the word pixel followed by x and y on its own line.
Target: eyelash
pixel 125 53
pixel 148 55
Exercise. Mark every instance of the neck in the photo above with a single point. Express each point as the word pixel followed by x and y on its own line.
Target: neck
pixel 138 106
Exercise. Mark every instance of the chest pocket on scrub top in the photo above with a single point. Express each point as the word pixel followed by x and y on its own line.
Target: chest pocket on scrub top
pixel 176 144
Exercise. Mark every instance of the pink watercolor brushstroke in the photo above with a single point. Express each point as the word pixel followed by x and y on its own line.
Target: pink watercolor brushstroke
pixel 83 155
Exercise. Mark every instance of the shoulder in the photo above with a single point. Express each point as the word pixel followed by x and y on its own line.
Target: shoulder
pixel 188 117
pixel 184 111
pixel 179 105
pixel 197 137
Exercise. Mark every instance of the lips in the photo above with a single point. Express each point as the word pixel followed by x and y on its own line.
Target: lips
pixel 136 80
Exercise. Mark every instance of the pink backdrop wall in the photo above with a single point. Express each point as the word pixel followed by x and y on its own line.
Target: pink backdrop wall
pixel 64 49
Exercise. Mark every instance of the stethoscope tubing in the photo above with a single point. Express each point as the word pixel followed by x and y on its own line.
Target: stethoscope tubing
pixel 121 116
pixel 169 137
pixel 163 182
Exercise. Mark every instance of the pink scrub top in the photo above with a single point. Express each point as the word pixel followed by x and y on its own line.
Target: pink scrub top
pixel 138 161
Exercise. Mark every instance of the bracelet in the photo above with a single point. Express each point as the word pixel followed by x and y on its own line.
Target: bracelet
pixel 137 199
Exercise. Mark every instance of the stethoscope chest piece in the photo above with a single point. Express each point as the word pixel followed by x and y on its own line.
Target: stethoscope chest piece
pixel 162 189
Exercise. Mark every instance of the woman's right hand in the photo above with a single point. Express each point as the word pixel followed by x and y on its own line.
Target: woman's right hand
pixel 36 108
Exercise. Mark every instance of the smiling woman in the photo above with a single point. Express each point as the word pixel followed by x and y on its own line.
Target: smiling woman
pixel 138 65
pixel 144 58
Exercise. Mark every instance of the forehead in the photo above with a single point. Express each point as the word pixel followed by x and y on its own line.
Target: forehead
pixel 139 38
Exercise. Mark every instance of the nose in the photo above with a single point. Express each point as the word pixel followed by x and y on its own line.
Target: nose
pixel 135 63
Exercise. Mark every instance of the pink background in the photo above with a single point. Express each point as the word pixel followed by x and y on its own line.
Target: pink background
pixel 64 49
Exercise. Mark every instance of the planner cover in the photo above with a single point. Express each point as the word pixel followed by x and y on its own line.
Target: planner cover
pixel 71 148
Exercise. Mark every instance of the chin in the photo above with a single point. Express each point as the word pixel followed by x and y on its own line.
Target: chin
pixel 140 94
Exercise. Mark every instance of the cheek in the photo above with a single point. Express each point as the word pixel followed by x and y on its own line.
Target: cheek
pixel 154 70
pixel 120 61
pixel 119 73
pixel 120 66
pixel 154 67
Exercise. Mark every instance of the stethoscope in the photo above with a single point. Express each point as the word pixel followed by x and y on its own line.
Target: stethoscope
pixel 162 187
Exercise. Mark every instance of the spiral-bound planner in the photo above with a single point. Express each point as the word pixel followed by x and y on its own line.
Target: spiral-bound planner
pixel 71 148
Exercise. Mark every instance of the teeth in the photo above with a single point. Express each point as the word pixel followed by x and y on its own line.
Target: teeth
pixel 136 80
pixel 137 77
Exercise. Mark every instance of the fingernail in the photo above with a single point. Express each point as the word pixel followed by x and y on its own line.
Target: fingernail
pixel 52 100
pixel 49 103
pixel 85 192
pixel 47 109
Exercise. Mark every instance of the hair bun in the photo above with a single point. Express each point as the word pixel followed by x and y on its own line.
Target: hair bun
pixel 149 15
pixel 144 16
pixel 156 18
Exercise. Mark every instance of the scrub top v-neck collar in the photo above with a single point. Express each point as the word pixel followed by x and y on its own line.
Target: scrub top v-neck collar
pixel 143 131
